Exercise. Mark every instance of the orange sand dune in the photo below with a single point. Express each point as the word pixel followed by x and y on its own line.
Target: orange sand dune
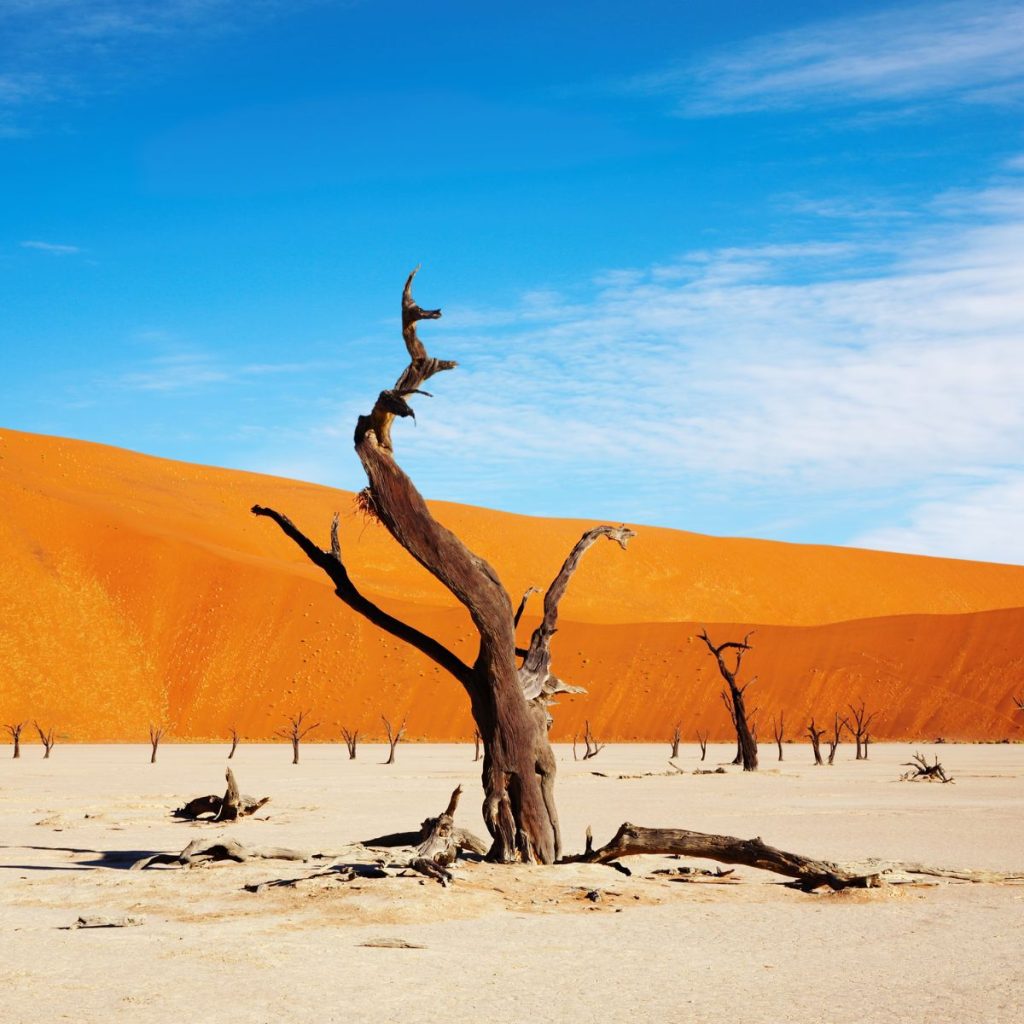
pixel 137 589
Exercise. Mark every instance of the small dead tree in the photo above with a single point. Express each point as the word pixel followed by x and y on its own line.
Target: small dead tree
pixel 593 748
pixel 234 743
pixel 836 738
pixel 351 741
pixel 156 733
pixel 676 739
pixel 296 731
pixel 867 743
pixel 779 730
pixel 861 723
pixel 703 741
pixel 476 744
pixel 46 738
pixel 15 730
pixel 815 735
pixel 394 738
pixel 746 744
pixel 921 769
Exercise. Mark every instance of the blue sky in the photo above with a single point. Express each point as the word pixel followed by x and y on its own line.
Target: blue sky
pixel 737 268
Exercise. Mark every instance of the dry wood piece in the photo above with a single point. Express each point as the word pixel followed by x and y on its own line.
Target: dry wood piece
pixel 156 733
pixel 815 735
pixel 676 738
pixel 747 744
pixel 394 738
pixel 861 724
pixel 295 732
pixel 391 944
pixel 228 807
pixel 128 921
pixel 508 702
pixel 351 742
pixel 921 769
pixel 808 873
pixel 779 731
pixel 15 730
pixel 234 743
pixel 703 741
pixel 203 851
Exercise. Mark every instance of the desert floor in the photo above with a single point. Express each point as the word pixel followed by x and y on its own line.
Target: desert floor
pixel 509 943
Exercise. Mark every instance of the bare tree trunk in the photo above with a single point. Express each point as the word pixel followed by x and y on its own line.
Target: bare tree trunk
pixel 155 734
pixel 296 730
pixel 779 731
pixel 351 741
pixel 861 723
pixel 593 749
pixel 676 739
pixel 509 703
pixel 394 738
pixel 837 735
pixel 234 743
pixel 746 745
pixel 46 738
pixel 15 730
pixel 815 735
pixel 703 741
pixel 476 744
pixel 867 741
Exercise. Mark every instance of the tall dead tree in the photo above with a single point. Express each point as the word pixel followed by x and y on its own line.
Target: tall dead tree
pixel 394 738
pixel 703 741
pixel 837 735
pixel 46 738
pixel 295 731
pixel 779 730
pixel 351 742
pixel 15 730
pixel 861 723
pixel 234 743
pixel 156 733
pixel 815 735
pixel 508 702
pixel 676 739
pixel 737 709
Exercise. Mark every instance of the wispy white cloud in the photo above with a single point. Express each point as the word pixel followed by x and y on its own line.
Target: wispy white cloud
pixel 55 248
pixel 967 49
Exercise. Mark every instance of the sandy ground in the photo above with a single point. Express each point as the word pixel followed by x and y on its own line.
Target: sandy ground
pixel 510 943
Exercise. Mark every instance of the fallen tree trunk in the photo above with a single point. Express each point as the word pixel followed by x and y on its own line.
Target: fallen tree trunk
pixel 202 851
pixel 228 807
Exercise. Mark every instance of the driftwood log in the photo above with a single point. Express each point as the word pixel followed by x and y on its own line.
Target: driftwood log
pixel 228 807
pixel 203 851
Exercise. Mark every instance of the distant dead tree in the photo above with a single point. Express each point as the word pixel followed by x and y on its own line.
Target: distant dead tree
pixel 703 741
pixel 861 723
pixel 15 730
pixel 234 743
pixel 351 741
pixel 593 748
pixel 738 712
pixel 676 738
pixel 836 738
pixel 156 733
pixel 296 731
pixel 394 738
pixel 921 769
pixel 815 735
pixel 867 741
pixel 46 738
pixel 476 744
pixel 779 730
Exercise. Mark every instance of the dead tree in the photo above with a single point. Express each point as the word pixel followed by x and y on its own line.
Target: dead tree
pixel 351 742
pixel 394 738
pixel 508 702
pixel 15 730
pixel 296 731
pixel 230 806
pixel 1019 701
pixel 156 733
pixel 815 735
pixel 476 744
pixel 703 741
pixel 234 743
pixel 676 739
pixel 836 738
pixel 867 743
pixel 46 738
pixel 779 731
pixel 861 723
pixel 593 748
pixel 746 744
pixel 921 769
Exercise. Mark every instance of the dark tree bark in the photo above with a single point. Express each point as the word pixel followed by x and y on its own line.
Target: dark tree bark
pixel 476 744
pixel 296 731
pixel 815 735
pixel 156 733
pixel 703 741
pixel 394 738
pixel 921 769
pixel 508 702
pixel 779 731
pixel 351 742
pixel 234 743
pixel 46 738
pixel 867 743
pixel 15 730
pixel 836 738
pixel 676 739
pixel 747 745
pixel 861 723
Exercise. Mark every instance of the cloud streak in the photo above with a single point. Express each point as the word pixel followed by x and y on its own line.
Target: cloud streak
pixel 54 248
